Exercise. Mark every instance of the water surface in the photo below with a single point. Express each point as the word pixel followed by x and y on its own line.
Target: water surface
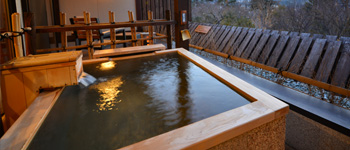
pixel 131 101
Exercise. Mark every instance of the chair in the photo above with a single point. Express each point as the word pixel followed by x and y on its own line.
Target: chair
pixel 98 35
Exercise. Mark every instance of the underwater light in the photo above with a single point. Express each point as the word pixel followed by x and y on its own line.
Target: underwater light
pixel 108 65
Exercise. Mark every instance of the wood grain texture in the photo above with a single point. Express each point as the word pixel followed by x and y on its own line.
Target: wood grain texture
pixel 267 31
pixel 43 59
pixel 331 37
pixel 62 73
pixel 244 43
pixel 211 39
pixel 232 40
pixel 205 134
pixel 288 53
pixel 239 40
pixel 274 32
pixel 284 32
pixel 259 47
pixel 268 48
pixel 205 38
pixel 299 57
pixel 313 58
pixel 317 36
pixel 342 70
pixel 327 63
pixel 196 35
pixel 293 34
pixel 29 122
pixel 276 54
pixel 252 44
pixel 228 37
pixel 304 35
pixel 202 29
pixel 34 81
pixel 13 97
pixel 217 37
pixel 222 37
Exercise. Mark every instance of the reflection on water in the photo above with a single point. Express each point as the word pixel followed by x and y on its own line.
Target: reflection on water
pixel 139 99
pixel 106 65
pixel 108 91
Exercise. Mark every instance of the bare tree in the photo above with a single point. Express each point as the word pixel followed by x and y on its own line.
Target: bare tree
pixel 262 12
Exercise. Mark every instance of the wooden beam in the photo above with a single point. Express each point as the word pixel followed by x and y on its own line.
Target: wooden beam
pixel 168 30
pixel 89 38
pixel 57 28
pixel 64 33
pixel 150 28
pixel 128 50
pixel 133 31
pixel 112 30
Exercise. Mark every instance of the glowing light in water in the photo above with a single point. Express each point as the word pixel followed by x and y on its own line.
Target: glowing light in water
pixel 108 91
pixel 107 65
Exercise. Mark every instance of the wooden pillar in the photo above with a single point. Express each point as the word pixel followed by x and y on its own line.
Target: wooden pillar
pixel 89 40
pixel 30 36
pixel 16 27
pixel 63 34
pixel 139 7
pixel 112 30
pixel 168 30
pixel 133 30
pixel 180 5
pixel 150 28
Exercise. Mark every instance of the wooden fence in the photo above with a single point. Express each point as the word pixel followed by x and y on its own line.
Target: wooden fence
pixel 322 61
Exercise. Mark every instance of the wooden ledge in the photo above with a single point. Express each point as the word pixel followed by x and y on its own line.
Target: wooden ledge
pixel 23 130
pixel 128 50
pixel 222 127
pixel 42 59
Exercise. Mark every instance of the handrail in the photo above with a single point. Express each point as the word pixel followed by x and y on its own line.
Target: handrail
pixel 63 28
pixel 58 28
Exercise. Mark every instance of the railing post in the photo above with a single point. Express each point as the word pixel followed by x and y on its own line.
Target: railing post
pixel 150 28
pixel 63 34
pixel 17 40
pixel 89 40
pixel 112 30
pixel 168 30
pixel 28 19
pixel 133 30
pixel 179 7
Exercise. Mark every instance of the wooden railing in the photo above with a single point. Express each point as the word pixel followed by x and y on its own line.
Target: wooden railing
pixel 63 28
